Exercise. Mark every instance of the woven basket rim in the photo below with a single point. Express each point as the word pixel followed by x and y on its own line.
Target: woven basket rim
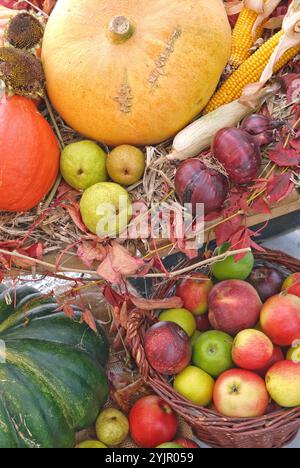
pixel 195 415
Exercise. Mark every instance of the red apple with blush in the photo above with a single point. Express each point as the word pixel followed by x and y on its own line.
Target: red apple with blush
pixel 194 292
pixel 280 319
pixel 252 350
pixel 240 393
pixel 187 443
pixel 234 306
pixel 168 348
pixel 277 356
pixel 152 422
pixel 292 285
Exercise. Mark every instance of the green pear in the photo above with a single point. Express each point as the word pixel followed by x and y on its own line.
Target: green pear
pixel 83 164
pixel 106 209
pixel 112 427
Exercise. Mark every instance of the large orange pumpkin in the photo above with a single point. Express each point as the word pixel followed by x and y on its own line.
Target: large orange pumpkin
pixel 29 155
pixel 134 71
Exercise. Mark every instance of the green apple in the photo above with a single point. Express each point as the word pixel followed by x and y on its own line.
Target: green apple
pixel 91 444
pixel 106 209
pixel 212 352
pixel 170 445
pixel 230 268
pixel 195 337
pixel 112 427
pixel 83 164
pixel 182 317
pixel 195 385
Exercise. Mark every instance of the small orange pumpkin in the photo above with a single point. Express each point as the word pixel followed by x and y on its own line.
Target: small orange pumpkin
pixel 29 155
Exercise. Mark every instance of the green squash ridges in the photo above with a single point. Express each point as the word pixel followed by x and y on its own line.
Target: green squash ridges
pixel 53 382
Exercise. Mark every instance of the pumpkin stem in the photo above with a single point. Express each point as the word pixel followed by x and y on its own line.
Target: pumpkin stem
pixel 121 29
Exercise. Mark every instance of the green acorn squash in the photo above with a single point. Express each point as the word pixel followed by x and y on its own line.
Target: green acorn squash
pixel 52 377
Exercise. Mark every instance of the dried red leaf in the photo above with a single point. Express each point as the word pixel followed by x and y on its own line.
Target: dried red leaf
pixel 35 251
pixel 89 252
pixel 69 311
pixel 226 230
pixel 295 142
pixel 284 157
pixel 260 206
pixel 279 187
pixel 123 262
pixel 74 212
pixel 292 83
pixel 124 315
pixel 243 239
pixel 89 319
pixel 107 272
pixel 112 297
pixel 155 304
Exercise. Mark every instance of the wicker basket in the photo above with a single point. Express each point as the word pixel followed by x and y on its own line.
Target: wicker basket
pixel 270 431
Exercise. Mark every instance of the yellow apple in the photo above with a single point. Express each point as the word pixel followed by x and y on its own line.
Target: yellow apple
pixel 283 383
pixel 195 385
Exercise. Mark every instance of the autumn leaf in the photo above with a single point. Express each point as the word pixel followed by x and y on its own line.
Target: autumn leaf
pixel 279 187
pixel 106 271
pixel 260 206
pixel 89 252
pixel 123 262
pixel 89 319
pixel 112 297
pixel 74 212
pixel 156 304
pixel 284 157
pixel 69 311
pixel 295 142
pixel 226 230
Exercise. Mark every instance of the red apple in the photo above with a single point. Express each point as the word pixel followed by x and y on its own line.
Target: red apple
pixel 252 350
pixel 187 443
pixel 152 422
pixel 168 348
pixel 241 394
pixel 277 356
pixel 194 293
pixel 280 319
pixel 292 284
pixel 266 281
pixel 233 306
pixel 203 323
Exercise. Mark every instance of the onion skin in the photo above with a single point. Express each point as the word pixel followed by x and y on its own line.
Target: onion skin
pixel 261 128
pixel 239 153
pixel 195 183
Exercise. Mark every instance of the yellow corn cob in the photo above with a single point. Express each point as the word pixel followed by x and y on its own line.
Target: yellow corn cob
pixel 250 72
pixel 242 38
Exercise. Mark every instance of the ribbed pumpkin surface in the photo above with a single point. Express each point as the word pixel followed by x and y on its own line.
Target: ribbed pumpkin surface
pixel 29 155
pixel 52 378
pixel 134 71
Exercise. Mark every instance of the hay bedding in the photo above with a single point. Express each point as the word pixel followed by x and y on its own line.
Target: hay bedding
pixel 55 227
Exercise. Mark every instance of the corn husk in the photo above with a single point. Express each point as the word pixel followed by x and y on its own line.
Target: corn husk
pixel 267 9
pixel 290 39
pixel 199 135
